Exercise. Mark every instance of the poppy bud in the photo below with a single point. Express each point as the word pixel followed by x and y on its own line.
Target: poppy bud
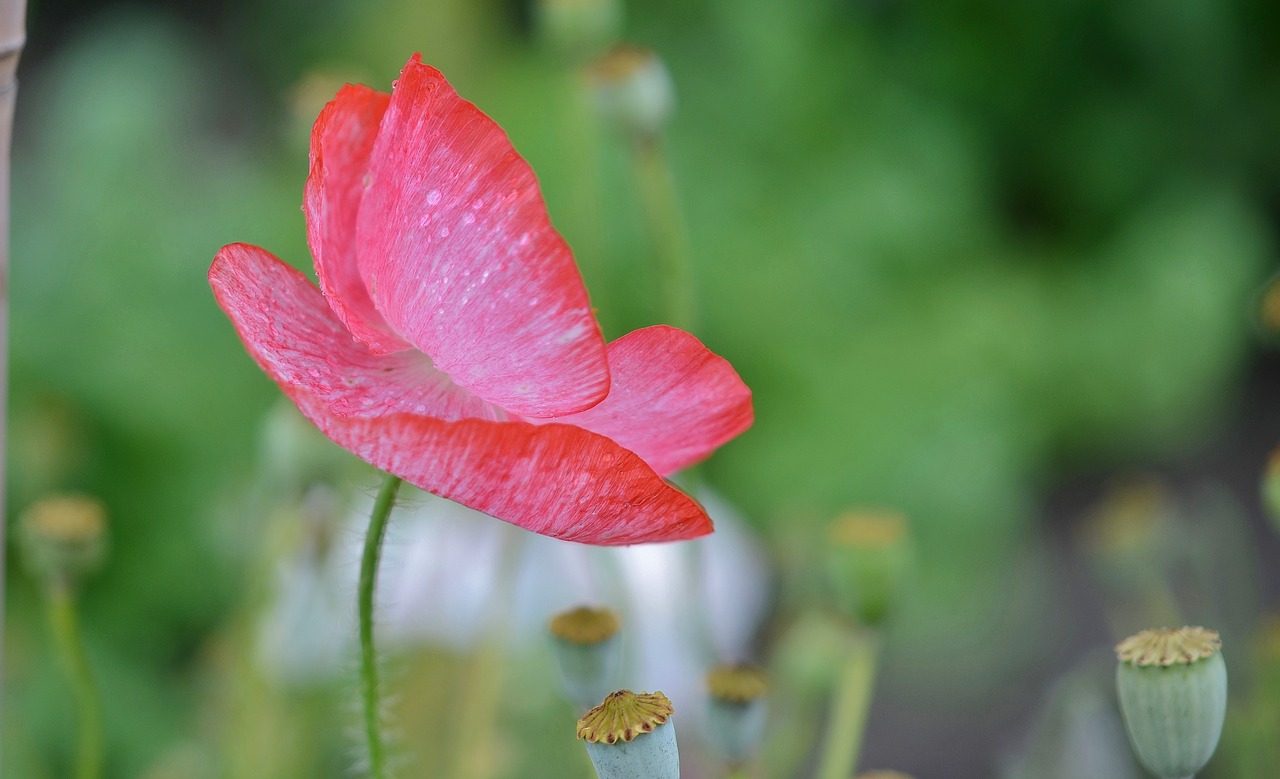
pixel 867 563
pixel 630 736
pixel 578 28
pixel 64 537
pixel 633 90
pixel 1173 695
pixel 736 710
pixel 1271 488
pixel 585 641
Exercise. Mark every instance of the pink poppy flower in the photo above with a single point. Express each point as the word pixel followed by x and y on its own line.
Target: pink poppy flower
pixel 452 343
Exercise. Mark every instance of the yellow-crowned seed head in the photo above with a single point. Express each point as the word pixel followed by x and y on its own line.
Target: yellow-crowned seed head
pixel 623 716
pixel 1169 646
pixel 585 625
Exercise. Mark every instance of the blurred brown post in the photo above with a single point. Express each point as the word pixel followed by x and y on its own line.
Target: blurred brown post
pixel 12 37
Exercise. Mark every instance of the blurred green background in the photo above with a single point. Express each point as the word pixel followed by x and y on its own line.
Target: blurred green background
pixel 979 261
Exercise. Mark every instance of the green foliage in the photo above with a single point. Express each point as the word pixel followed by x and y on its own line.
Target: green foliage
pixel 951 247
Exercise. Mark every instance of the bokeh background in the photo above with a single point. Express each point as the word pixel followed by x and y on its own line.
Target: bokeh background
pixel 996 265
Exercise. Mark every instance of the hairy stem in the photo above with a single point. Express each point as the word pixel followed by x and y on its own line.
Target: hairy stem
pixel 368 657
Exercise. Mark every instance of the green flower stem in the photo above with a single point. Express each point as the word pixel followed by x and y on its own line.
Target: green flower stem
pixel 667 230
pixel 368 657
pixel 66 633
pixel 581 132
pixel 848 717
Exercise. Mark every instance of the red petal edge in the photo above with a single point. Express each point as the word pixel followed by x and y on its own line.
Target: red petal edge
pixel 341 142
pixel 460 258
pixel 555 480
pixel 672 401
pixel 284 323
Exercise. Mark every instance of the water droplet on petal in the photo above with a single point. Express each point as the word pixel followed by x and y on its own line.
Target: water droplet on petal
pixel 444 232
pixel 433 197
pixel 468 218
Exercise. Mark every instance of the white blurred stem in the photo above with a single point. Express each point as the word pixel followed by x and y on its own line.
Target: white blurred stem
pixel 12 37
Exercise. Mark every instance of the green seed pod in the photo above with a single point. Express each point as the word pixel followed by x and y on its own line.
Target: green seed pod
pixel 585 641
pixel 867 563
pixel 64 537
pixel 633 91
pixel 578 29
pixel 1173 695
pixel 736 710
pixel 630 736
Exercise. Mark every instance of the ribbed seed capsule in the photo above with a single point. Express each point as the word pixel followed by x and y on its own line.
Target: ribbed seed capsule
pixel 633 90
pixel 1172 685
pixel 585 641
pixel 630 736
pixel 868 559
pixel 64 537
pixel 578 28
pixel 736 710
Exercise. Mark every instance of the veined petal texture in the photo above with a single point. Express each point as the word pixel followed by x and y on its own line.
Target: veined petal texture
pixel 460 258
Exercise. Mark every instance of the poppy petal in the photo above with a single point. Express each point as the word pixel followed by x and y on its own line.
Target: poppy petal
pixel 672 400
pixel 459 256
pixel 284 322
pixel 556 480
pixel 341 142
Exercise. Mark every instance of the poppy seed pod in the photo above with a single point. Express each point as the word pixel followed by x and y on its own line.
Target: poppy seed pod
pixel 585 641
pixel 578 29
pixel 64 537
pixel 867 562
pixel 630 736
pixel 633 90
pixel 1173 695
pixel 736 710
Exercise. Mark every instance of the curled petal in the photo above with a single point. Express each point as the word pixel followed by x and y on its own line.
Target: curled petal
pixel 341 142
pixel 299 342
pixel 460 258
pixel 556 480
pixel 672 400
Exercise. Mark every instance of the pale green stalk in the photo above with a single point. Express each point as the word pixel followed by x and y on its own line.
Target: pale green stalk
pixel 667 230
pixel 848 717
pixel 88 703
